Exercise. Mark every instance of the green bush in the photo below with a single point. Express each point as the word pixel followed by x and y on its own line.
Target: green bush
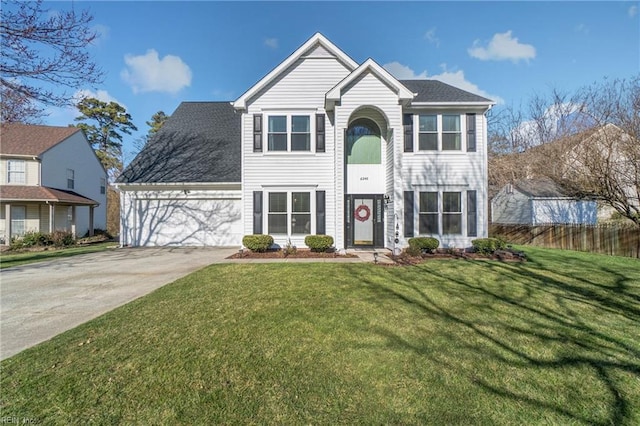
pixel 257 242
pixel 488 245
pixel 413 251
pixel 34 238
pixel 319 243
pixel 40 239
pixel 424 244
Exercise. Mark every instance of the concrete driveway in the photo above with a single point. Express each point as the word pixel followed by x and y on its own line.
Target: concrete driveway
pixel 41 300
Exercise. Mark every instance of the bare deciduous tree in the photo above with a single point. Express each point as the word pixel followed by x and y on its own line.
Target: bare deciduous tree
pixel 41 54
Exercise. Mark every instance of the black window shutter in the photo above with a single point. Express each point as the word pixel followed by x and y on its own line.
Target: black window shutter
pixel 320 133
pixel 320 213
pixel 408 214
pixel 407 122
pixel 471 132
pixel 257 133
pixel 257 212
pixel 472 214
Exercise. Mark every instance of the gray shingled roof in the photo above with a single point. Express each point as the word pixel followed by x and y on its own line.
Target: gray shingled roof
pixel 200 142
pixel 541 188
pixel 437 91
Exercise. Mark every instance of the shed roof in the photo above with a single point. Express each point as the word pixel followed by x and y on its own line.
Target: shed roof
pixel 42 194
pixel 541 188
pixel 437 91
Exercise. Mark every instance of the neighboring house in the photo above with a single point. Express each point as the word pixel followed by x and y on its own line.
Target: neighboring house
pixel 320 145
pixel 540 201
pixel 50 180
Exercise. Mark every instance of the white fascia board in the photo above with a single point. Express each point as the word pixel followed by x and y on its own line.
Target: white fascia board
pixel 453 104
pixel 334 94
pixel 241 102
pixel 158 186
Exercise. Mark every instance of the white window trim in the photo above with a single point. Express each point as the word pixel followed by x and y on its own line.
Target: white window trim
pixel 22 172
pixel 289 114
pixel 440 151
pixel 440 191
pixel 71 176
pixel 289 191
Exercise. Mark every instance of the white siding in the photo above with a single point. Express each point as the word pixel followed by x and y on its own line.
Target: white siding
pixel 458 171
pixel 564 211
pixel 299 90
pixel 511 207
pixel 173 218
pixel 75 153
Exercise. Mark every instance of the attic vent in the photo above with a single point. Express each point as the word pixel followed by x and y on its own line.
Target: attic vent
pixel 509 188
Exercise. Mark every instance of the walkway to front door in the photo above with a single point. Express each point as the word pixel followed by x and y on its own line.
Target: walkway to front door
pixel 365 220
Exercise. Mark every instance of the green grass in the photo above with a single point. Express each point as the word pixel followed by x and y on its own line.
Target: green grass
pixel 16 259
pixel 555 340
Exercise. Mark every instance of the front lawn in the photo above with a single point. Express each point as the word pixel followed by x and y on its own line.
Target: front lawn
pixel 555 340
pixel 10 259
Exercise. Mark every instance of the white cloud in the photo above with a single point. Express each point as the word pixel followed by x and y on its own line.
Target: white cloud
pixel 102 34
pixel 454 78
pixel 431 37
pixel 63 116
pixel 271 42
pixel 633 11
pixel 502 47
pixel 101 95
pixel 149 73
pixel 403 72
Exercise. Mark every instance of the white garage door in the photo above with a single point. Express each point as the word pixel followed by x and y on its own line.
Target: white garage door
pixel 188 222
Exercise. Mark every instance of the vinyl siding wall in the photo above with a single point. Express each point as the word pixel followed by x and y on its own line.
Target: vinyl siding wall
pixel 299 90
pixel 457 171
pixel 32 171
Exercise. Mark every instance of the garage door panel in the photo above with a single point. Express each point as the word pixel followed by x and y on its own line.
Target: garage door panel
pixel 183 222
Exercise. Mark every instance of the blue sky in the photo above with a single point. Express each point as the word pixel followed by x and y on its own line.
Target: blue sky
pixel 157 54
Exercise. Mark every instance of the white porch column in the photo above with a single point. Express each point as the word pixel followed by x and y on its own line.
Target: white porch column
pixel 91 212
pixel 73 221
pixel 7 223
pixel 52 217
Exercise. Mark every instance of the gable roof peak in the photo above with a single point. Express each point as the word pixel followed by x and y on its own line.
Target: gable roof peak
pixel 32 139
pixel 317 38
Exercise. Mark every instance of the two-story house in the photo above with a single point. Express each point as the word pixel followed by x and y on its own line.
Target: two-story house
pixel 50 180
pixel 320 145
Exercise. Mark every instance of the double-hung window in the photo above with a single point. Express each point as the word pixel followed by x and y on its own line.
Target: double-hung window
pixel 289 213
pixel 16 172
pixel 439 132
pixel 452 213
pixel 428 133
pixel 289 133
pixel 440 208
pixel 103 186
pixel 428 213
pixel 451 133
pixel 71 180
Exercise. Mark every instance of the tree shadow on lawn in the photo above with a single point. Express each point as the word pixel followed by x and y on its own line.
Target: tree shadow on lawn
pixel 529 324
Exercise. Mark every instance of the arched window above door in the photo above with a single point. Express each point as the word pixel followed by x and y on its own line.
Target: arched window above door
pixel 364 144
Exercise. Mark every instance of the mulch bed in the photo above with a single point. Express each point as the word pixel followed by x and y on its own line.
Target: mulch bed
pixel 279 254
pixel 507 255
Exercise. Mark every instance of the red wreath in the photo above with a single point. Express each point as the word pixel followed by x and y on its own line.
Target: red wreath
pixel 358 213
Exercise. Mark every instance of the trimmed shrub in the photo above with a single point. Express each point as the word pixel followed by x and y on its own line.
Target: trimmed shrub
pixel 257 242
pixel 428 244
pixel 319 243
pixel 488 245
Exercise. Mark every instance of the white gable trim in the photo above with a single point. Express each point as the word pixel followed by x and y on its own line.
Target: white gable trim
pixel 333 95
pixel 241 102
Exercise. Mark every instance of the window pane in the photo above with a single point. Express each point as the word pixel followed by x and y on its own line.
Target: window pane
pixel 429 202
pixel 451 142
pixel 278 202
pixel 277 142
pixel 451 202
pixel 452 224
pixel 428 223
pixel 428 123
pixel 301 142
pixel 301 201
pixel 277 124
pixel 300 124
pixel 277 223
pixel 300 223
pixel 428 142
pixel 450 123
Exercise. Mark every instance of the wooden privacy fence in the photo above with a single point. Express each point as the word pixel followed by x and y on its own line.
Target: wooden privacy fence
pixel 613 239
